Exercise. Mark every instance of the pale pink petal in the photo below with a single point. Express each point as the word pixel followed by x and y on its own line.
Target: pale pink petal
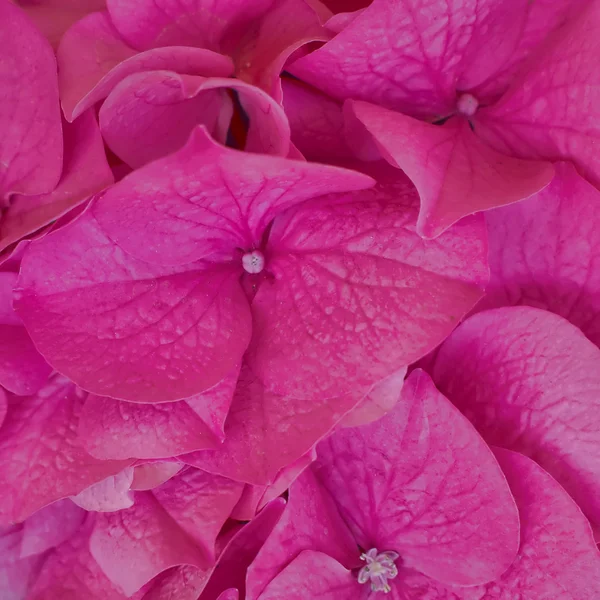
pixel 115 429
pixel 265 432
pixel 380 400
pixel 456 173
pixel 145 539
pixel 167 335
pixel 151 475
pixel 50 526
pixel 93 59
pixel 31 145
pixel 199 503
pixel 543 252
pixel 311 521
pixel 316 575
pixel 85 172
pixel 357 294
pixel 529 381
pixel 109 495
pixel 551 110
pixel 71 573
pixel 420 481
pixel 212 198
pixel 41 459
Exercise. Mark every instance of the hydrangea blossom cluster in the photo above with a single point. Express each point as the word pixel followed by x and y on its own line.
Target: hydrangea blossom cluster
pixel 299 299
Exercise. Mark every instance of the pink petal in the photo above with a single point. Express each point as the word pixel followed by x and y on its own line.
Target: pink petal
pixel 54 17
pixel 41 459
pixel 50 527
pixel 23 370
pixel 31 147
pixel 543 252
pixel 145 539
pixel 456 173
pixel 229 595
pixel 16 573
pixel 398 55
pixel 167 335
pixel 93 59
pixel 3 406
pixel 535 118
pixel 109 495
pixel 85 172
pixel 315 575
pixel 227 200
pixel 151 475
pixel 150 115
pixel 346 307
pixel 528 380
pixel 178 583
pixel 240 552
pixel 311 521
pixel 380 400
pixel 201 23
pixel 116 429
pixel 199 503
pixel 266 432
pixel 70 572
pixel 421 482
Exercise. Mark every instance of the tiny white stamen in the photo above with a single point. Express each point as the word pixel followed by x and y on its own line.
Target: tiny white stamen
pixel 253 262
pixel 467 105
pixel 379 569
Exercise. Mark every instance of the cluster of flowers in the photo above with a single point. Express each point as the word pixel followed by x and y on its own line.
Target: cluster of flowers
pixel 299 299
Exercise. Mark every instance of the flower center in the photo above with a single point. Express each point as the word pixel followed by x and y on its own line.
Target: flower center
pixel 467 105
pixel 253 262
pixel 379 569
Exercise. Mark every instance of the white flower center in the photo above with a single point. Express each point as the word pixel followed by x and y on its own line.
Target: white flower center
pixel 253 262
pixel 467 105
pixel 380 568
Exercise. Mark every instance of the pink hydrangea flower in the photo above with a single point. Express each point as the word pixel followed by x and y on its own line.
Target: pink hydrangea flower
pixel 460 94
pixel 415 494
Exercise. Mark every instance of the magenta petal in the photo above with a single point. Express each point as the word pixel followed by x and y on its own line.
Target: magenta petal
pixel 16 573
pixel 311 521
pixel 529 381
pixel 456 173
pixel 116 429
pixel 85 172
pixel 145 539
pixel 70 572
pixel 543 252
pixel 109 495
pixel 318 576
pixel 536 119
pixel 93 59
pixel 212 198
pixel 266 432
pixel 231 594
pixel 419 475
pixel 41 459
pixel 31 146
pixel 346 307
pixel 151 475
pixel 173 332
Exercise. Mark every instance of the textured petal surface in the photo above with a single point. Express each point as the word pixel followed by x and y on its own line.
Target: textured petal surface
pixel 109 495
pixel 85 172
pixel 266 432
pixel 23 370
pixel 41 459
pixel 347 307
pixel 528 380
pixel 543 252
pixel 173 332
pixel 436 495
pixel 93 59
pixel 315 575
pixel 213 199
pixel 311 521
pixel 536 118
pixel 456 173
pixel 31 146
